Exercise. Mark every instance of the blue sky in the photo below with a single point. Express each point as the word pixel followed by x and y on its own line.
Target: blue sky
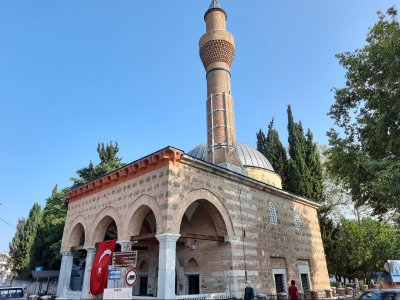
pixel 74 73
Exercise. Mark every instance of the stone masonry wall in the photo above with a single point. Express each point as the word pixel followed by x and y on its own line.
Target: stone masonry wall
pixel 267 246
pixel 119 202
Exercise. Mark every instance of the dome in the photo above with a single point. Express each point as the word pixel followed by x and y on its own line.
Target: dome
pixel 248 156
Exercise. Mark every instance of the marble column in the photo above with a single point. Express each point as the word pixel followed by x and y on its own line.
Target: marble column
pixel 166 265
pixel 65 273
pixel 90 254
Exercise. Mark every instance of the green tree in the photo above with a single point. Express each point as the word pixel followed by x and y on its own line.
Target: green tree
pixel 22 245
pixel 314 166
pixel 33 223
pixel 363 247
pixel 109 161
pixel 18 248
pixel 298 174
pixel 48 240
pixel 365 148
pixel 272 148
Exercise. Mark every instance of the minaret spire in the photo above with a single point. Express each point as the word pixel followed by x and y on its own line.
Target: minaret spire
pixel 217 50
pixel 215 4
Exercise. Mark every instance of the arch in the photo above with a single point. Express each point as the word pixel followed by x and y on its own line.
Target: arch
pixel 75 235
pixel 134 217
pixel 69 239
pixel 101 223
pixel 192 263
pixel 217 210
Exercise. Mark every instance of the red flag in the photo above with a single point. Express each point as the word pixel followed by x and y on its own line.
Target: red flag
pixel 99 273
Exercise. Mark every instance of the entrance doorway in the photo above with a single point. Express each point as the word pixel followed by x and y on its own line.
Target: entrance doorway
pixel 143 285
pixel 193 284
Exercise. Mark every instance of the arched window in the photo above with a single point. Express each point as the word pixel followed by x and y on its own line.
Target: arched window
pixel 296 219
pixel 273 218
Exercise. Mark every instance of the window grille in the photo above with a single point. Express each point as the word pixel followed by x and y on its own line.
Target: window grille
pixel 296 219
pixel 273 218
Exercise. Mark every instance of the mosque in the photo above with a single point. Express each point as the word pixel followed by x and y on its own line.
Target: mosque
pixel 205 221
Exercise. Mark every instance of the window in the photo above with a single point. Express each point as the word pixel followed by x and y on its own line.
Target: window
pixel 273 218
pixel 296 219
pixel 279 276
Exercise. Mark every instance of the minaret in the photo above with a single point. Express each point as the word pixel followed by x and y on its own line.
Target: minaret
pixel 217 50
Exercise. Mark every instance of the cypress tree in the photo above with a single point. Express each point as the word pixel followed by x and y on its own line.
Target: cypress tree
pixel 298 173
pixel 314 166
pixel 272 148
pixel 18 247
pixel 22 245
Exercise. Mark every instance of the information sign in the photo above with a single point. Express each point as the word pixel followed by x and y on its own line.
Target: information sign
pixel 118 293
pixel 124 259
pixel 39 268
pixel 114 274
pixel 131 277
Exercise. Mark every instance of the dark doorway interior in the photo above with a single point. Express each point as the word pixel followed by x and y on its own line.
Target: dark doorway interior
pixel 193 284
pixel 280 287
pixel 305 284
pixel 143 285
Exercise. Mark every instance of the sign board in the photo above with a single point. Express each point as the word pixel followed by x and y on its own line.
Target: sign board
pixel 394 270
pixel 124 259
pixel 118 293
pixel 114 274
pixel 39 268
pixel 131 277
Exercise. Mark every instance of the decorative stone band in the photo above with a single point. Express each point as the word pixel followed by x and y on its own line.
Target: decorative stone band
pixel 137 168
pixel 216 34
pixel 217 51
pixel 221 145
pixel 218 69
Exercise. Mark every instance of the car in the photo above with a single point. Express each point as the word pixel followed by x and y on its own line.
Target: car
pixel 380 294
pixel 11 292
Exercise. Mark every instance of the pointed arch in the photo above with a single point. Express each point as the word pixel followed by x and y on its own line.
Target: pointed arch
pixel 134 217
pixel 101 223
pixel 192 263
pixel 217 210
pixel 72 237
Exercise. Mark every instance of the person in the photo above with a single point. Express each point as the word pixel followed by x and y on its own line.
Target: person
pixel 293 291
pixel 248 292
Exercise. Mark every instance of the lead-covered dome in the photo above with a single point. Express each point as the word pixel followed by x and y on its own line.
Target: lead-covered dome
pixel 248 156
pixel 257 165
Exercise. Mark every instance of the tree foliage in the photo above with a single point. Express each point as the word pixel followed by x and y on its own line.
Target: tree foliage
pixel 365 148
pixel 48 240
pixel 109 161
pixel 298 173
pixel 314 166
pixel 362 247
pixel 22 245
pixel 301 171
pixel 272 148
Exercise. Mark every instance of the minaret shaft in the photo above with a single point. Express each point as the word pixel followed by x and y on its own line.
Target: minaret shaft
pixel 217 50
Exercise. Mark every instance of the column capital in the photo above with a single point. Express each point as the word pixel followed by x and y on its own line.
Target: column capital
pixel 66 252
pixel 89 248
pixel 125 245
pixel 124 242
pixel 167 237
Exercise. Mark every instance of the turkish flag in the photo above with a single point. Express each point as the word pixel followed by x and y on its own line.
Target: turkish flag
pixel 99 273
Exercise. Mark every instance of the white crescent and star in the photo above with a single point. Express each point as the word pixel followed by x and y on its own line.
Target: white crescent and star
pixel 106 252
